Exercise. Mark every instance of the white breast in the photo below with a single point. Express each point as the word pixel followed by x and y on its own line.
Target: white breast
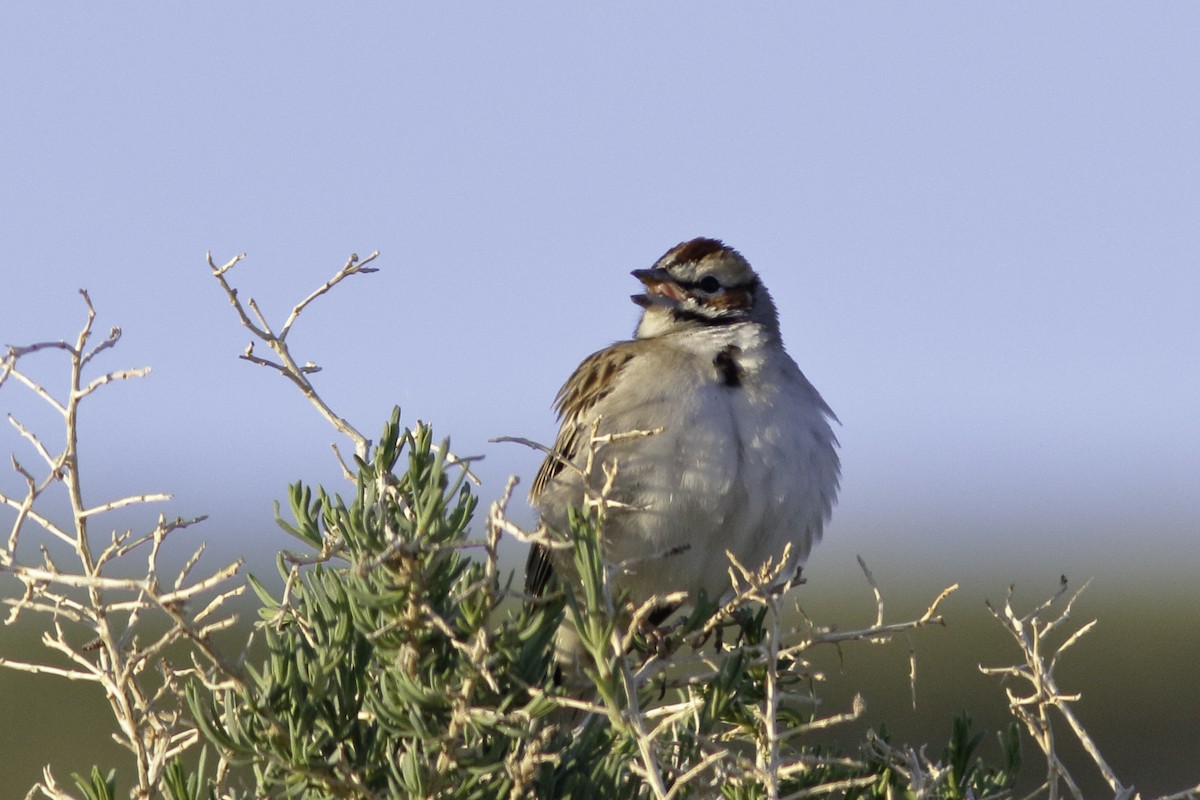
pixel 743 468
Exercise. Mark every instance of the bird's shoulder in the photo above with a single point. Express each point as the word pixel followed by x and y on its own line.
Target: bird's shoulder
pixel 595 378
pixel 592 381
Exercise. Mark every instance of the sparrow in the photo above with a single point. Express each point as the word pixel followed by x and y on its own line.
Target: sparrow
pixel 744 459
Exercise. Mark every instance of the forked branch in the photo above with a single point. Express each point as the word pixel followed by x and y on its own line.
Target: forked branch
pixel 94 596
pixel 1043 698
pixel 287 365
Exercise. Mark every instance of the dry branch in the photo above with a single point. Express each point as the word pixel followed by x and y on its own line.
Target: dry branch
pixel 287 365
pixel 80 590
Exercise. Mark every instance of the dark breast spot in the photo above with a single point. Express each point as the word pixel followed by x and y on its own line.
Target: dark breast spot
pixel 729 371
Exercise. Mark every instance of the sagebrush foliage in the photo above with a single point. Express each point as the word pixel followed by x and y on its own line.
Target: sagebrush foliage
pixel 400 666
pixel 386 674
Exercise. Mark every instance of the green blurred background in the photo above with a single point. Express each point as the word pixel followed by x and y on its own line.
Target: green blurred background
pixel 1136 672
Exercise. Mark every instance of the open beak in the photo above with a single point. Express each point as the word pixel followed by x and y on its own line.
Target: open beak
pixel 660 289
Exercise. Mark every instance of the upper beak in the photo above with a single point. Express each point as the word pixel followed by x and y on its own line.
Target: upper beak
pixel 659 287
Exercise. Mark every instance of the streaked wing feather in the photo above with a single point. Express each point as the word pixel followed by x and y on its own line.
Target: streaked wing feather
pixel 590 383
pixel 538 570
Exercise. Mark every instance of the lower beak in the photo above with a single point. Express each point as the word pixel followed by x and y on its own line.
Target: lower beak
pixel 659 287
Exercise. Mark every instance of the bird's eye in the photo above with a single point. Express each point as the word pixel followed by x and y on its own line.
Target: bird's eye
pixel 709 284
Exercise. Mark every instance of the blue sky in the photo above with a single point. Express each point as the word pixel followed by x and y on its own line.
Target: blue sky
pixel 979 222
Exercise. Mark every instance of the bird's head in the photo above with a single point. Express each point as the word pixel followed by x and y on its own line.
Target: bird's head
pixel 700 283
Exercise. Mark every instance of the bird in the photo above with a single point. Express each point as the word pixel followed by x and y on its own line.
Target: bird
pixel 743 457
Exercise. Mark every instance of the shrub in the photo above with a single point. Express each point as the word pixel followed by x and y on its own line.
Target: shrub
pixel 399 660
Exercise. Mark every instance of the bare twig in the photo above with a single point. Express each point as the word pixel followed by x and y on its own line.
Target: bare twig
pixel 1030 632
pixel 287 365
pixel 80 588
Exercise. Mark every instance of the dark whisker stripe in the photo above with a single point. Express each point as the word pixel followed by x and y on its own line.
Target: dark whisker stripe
pixel 684 315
